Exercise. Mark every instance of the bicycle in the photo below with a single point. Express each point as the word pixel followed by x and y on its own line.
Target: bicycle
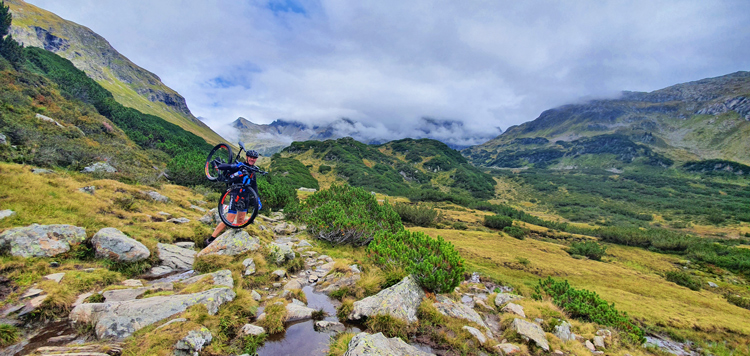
pixel 222 154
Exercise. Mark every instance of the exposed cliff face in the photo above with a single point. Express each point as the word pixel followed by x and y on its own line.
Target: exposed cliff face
pixel 131 85
pixel 705 119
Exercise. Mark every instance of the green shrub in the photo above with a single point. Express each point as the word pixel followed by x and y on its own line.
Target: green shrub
pixel 497 221
pixel 738 300
pixel 589 249
pixel 515 231
pixel 684 279
pixel 460 225
pixel 588 306
pixel 297 174
pixel 433 262
pixel 323 169
pixel 275 192
pixel 250 343
pixel 346 215
pixel 415 214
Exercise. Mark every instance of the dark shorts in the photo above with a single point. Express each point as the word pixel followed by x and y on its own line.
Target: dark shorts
pixel 240 201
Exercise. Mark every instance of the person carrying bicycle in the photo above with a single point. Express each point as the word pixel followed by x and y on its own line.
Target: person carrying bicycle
pixel 239 173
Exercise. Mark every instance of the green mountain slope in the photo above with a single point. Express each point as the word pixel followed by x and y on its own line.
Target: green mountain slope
pixel 130 84
pixel 706 119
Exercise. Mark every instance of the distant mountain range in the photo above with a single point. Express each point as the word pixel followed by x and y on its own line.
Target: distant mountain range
pixel 705 119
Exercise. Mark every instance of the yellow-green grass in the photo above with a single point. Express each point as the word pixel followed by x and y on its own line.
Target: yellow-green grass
pixel 630 279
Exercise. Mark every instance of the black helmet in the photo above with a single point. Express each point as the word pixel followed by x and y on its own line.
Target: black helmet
pixel 252 153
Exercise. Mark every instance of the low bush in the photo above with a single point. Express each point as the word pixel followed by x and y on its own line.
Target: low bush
pixel 433 262
pixel 323 169
pixel 276 192
pixel 684 279
pixel 497 221
pixel 416 214
pixel 738 300
pixel 588 306
pixel 515 231
pixel 346 215
pixel 589 249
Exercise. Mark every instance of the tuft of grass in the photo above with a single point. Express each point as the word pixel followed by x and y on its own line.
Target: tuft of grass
pixel 212 263
pixel 275 317
pixel 388 325
pixel 297 294
pixel 346 307
pixel 9 335
pixel 251 343
pixel 340 344
pixel 95 298
pixel 319 314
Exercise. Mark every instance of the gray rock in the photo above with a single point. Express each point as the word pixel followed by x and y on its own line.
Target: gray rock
pixel 589 345
pixel 309 190
pixel 231 243
pixel 6 213
pixel 354 269
pixel 515 309
pixel 121 295
pixel 364 344
pixel 298 302
pixel 293 284
pixel 88 190
pixel 176 258
pixel 121 319
pixel 563 332
pixel 31 293
pixel 303 243
pixel 599 342
pixel 250 329
pixel 132 283
pixel 281 253
pixel 296 312
pixel 255 295
pixel 195 207
pixel 164 214
pixel 503 298
pixel 154 195
pixel 41 171
pixel 249 265
pixel 507 349
pixel 41 240
pixel 31 305
pixel 113 244
pixel 99 167
pixel 400 301
pixel 193 343
pixel 159 271
pixel 185 244
pixel 532 332
pixel 3 140
pixel 278 274
pixel 179 220
pixel 448 307
pixel 667 345
pixel 220 278
pixel 48 119
pixel 57 277
pixel 211 218
pixel 713 285
pixel 476 333
pixel 285 229
pixel 329 326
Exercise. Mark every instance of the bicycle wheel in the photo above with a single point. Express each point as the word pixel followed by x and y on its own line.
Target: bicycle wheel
pixel 233 202
pixel 221 153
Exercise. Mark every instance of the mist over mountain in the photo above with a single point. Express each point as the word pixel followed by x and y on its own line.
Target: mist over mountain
pixel 273 137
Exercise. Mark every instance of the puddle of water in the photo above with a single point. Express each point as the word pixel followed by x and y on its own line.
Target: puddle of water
pixel 300 338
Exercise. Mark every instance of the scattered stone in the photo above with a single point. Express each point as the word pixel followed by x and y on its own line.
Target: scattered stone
pixel 713 285
pixel 193 343
pixel 507 349
pixel 57 277
pixel 31 293
pixel 364 344
pixel 132 283
pixel 41 171
pixel 604 332
pixel 667 345
pixel 48 119
pixel 250 329
pixel 121 319
pixel 88 190
pixel 6 213
pixel 599 342
pixel 312 278
pixel 515 309
pixel 503 298
pixel 476 333
pixel 285 228
pixel 255 295
pixel 211 218
pixel 249 265
pixel 113 244
pixel 448 307
pixel 99 167
pixel 589 345
pixel 185 244
pixel 279 274
pixel 281 253
pixel 354 269
pixel 121 295
pixel 276 285
pixel 558 353
pixel 532 332
pixel 400 301
pixel 159 271
pixel 303 244
pixel 221 278
pixel 329 326
pixel 179 220
pixel 231 243
pixel 165 214
pixel 157 197
pixel 41 240
pixel 175 257
pixel 563 332
pixel 195 207
pixel 293 284
pixel 296 312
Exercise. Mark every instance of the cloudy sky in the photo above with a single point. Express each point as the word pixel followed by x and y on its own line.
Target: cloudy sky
pixel 389 64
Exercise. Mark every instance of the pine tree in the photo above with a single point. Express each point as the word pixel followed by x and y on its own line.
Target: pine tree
pixel 9 48
pixel 5 19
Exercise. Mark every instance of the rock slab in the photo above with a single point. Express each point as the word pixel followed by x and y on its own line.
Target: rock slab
pixel 41 240
pixel 364 344
pixel 231 243
pixel 531 331
pixel 400 301
pixel 448 307
pixel 113 244
pixel 175 257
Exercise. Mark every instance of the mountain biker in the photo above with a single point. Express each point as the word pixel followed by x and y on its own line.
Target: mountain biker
pixel 239 202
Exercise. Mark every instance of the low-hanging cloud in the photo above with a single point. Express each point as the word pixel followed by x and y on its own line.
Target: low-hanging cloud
pixel 387 65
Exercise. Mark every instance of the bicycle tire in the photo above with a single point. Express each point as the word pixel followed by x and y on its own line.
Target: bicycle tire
pixel 223 153
pixel 225 203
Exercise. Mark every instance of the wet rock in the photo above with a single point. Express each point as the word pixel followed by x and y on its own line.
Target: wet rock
pixel 88 190
pixel 515 309
pixel 531 331
pixel 250 329
pixel 220 278
pixel 176 258
pixel 155 196
pixel 476 333
pixel 400 301
pixel 448 307
pixel 329 326
pixel 113 244
pixel 193 343
pixel 57 277
pixel 249 265
pixel 185 244
pixel 284 229
pixel 41 240
pixel 281 253
pixel 564 333
pixel 6 213
pixel 99 167
pixel 507 349
pixel 296 312
pixel 231 243
pixel 364 344
pixel 211 218
pixel 503 298
pixel 121 319
pixel 179 220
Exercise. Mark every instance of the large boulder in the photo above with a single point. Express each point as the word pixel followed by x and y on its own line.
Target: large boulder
pixel 400 301
pixel 531 331
pixel 448 307
pixel 41 240
pixel 364 344
pixel 176 258
pixel 231 243
pixel 193 343
pixel 121 319
pixel 113 244
pixel 564 333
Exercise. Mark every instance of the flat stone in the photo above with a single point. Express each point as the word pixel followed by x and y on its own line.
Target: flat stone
pixel 6 213
pixel 185 244
pixel 364 344
pixel 293 284
pixel 476 333
pixel 132 283
pixel 165 214
pixel 81 298
pixel 532 332
pixel 296 312
pixel 175 257
pixel 515 309
pixel 507 349
pixel 154 195
pixel 448 307
pixel 400 301
pixel 113 244
pixel 31 293
pixel 298 302
pixel 329 326
pixel 32 304
pixel 159 271
pixel 250 329
pixel 99 167
pixel 121 295
pixel 503 298
pixel 195 207
pixel 249 265
pixel 41 240
pixel 179 220
pixel 303 243
pixel 713 285
pixel 173 321
pixel 231 243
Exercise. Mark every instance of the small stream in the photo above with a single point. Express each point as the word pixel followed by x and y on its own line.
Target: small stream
pixel 300 338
